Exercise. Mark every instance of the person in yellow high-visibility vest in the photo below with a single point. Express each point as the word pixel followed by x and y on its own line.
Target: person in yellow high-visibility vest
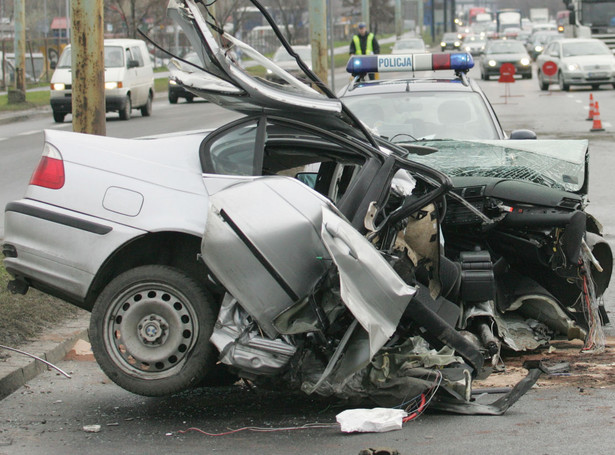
pixel 364 43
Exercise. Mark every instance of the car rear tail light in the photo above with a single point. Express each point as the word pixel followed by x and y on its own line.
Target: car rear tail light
pixel 50 170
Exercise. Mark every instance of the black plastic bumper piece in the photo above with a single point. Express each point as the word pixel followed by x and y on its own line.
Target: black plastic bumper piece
pixel 438 331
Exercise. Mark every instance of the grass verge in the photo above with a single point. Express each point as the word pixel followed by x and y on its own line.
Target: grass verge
pixel 23 317
pixel 33 99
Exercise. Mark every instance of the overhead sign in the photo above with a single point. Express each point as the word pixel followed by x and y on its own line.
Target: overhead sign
pixel 549 68
pixel 507 73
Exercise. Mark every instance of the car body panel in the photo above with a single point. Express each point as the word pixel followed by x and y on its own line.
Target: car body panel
pixel 56 259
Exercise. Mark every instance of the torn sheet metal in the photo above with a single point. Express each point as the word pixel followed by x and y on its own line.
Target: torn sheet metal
pixel 370 288
pixel 262 242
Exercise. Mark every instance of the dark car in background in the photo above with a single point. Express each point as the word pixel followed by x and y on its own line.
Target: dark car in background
pixel 450 41
pixel 176 90
pixel 539 40
pixel 498 52
pixel 474 44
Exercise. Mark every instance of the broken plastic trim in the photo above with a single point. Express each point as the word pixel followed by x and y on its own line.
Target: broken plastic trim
pixel 496 408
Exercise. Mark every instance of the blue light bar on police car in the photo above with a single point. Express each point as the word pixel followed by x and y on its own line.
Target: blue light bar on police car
pixel 362 64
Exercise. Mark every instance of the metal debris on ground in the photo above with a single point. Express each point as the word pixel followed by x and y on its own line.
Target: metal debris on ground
pixel 49 364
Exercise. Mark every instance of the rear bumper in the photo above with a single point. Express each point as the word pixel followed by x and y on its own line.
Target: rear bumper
pixel 59 251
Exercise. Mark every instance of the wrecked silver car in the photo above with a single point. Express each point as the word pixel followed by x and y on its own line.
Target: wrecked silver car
pixel 295 249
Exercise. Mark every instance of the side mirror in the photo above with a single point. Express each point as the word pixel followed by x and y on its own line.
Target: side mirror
pixel 523 134
pixel 132 64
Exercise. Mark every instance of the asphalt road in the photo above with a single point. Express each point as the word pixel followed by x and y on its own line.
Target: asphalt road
pixel 49 414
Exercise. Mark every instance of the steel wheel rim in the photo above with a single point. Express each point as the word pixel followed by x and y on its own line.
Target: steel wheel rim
pixel 150 329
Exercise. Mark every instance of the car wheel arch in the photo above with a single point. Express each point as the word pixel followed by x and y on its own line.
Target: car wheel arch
pixel 169 248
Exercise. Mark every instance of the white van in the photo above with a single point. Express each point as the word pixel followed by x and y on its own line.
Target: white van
pixel 129 80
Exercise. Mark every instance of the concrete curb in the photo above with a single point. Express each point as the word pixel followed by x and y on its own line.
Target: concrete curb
pixel 53 345
pixel 20 116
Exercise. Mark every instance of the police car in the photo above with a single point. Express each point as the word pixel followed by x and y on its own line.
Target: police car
pixel 441 104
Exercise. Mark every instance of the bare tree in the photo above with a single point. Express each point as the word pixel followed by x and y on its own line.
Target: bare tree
pixel 133 14
pixel 291 14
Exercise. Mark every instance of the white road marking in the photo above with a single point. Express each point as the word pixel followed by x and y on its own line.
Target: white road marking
pixel 27 133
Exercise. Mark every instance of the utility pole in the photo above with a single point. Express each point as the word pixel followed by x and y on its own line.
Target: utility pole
pixel 18 94
pixel 399 27
pixel 318 37
pixel 331 35
pixel 88 67
pixel 365 13
pixel 421 15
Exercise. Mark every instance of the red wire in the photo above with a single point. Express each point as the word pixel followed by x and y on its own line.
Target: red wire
pixel 418 412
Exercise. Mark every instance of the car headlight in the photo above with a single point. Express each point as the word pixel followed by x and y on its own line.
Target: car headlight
pixel 467 48
pixel 457 44
pixel 492 63
pixel 112 85
pixel 443 44
pixel 525 61
pixel 172 82
pixel 538 48
pixel 574 67
pixel 58 86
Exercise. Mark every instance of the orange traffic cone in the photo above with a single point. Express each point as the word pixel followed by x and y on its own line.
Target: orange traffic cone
pixel 591 107
pixel 597 125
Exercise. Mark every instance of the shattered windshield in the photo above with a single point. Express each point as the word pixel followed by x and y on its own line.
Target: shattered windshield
pixel 552 163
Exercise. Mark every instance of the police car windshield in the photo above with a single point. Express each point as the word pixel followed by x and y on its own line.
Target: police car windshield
pixel 423 115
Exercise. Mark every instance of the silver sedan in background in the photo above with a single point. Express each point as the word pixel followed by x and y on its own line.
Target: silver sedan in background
pixel 579 62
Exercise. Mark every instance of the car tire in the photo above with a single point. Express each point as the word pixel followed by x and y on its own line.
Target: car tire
pixel 126 111
pixel 562 85
pixel 544 86
pixel 58 117
pixel 190 98
pixel 146 110
pixel 527 76
pixel 173 98
pixel 150 330
pixel 595 86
